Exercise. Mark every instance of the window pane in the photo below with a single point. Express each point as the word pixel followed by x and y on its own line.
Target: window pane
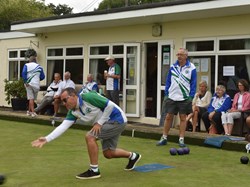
pixel 74 51
pixel 131 101
pixel 97 67
pixel 165 62
pixel 13 54
pixel 54 66
pixel 55 52
pixel 99 50
pixel 131 66
pixel 22 53
pixel 205 67
pixel 237 44
pixel 75 67
pixel 118 49
pixel 21 67
pixel 13 70
pixel 200 46
pixel 241 67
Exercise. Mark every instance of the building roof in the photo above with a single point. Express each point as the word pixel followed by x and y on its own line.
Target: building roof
pixel 134 15
pixel 10 35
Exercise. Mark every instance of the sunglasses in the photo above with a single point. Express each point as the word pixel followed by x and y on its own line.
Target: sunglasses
pixel 65 100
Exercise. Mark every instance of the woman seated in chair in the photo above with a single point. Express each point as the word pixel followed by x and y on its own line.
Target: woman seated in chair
pixel 241 103
pixel 199 105
pixel 220 102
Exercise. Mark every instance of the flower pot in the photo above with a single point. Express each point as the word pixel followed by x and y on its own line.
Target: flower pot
pixel 19 103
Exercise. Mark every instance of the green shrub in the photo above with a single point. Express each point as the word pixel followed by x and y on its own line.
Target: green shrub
pixel 14 89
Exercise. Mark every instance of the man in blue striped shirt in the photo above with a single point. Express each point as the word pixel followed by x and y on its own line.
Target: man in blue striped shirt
pixel 179 92
pixel 32 74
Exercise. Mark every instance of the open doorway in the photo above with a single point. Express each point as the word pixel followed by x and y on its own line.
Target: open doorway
pixel 151 79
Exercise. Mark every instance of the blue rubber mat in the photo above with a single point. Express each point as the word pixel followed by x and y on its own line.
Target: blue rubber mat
pixel 151 167
pixel 218 140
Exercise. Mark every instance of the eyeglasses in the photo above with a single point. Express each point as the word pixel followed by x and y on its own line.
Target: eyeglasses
pixel 65 100
pixel 180 54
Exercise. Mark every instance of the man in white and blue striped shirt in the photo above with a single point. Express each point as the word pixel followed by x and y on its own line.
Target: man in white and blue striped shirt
pixel 32 74
pixel 179 92
pixel 108 122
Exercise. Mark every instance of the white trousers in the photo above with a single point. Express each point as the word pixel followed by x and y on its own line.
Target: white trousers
pixel 228 117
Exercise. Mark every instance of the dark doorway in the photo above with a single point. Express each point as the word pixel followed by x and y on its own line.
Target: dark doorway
pixel 151 79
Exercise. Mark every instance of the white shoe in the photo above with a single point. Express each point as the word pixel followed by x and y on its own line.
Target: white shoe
pixel 28 113
pixel 33 114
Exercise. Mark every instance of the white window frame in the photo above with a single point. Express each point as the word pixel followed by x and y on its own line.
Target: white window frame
pixel 64 57
pixel 216 52
pixel 18 59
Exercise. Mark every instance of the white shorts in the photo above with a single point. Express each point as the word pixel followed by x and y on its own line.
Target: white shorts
pixel 31 92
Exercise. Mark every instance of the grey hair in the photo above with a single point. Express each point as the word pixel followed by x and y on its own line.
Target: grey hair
pixel 67 72
pixel 221 87
pixel 91 75
pixel 184 50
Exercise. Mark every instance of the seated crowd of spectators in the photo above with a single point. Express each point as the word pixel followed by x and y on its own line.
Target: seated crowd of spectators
pixel 54 90
pixel 219 111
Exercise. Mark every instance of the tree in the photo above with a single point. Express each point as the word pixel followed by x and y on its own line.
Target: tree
pixel 23 10
pixel 60 9
pixel 109 4
pixel 15 10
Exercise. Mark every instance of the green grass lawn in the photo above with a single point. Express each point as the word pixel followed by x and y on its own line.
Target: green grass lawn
pixel 57 163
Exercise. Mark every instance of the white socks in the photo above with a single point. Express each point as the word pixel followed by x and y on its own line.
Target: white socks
pixel 132 156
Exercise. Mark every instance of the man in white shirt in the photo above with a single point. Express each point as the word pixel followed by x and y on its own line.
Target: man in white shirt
pixel 112 77
pixel 49 96
pixel 66 83
pixel 32 74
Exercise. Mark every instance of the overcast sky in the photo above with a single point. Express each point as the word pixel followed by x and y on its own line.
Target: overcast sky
pixel 77 5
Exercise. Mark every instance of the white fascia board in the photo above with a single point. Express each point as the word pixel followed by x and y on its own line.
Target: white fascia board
pixel 13 35
pixel 175 9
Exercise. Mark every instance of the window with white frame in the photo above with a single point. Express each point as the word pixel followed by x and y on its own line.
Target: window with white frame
pixel 233 62
pixel 200 45
pixel 97 65
pixel 231 55
pixel 62 59
pixel 16 61
pixel 201 53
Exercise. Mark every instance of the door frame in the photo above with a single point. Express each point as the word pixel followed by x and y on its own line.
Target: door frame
pixel 136 86
pixel 160 87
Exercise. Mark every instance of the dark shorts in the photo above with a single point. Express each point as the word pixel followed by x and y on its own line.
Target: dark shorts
pixel 113 95
pixel 175 107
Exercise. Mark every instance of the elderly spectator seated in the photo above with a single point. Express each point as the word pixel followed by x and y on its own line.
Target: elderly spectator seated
pixel 66 83
pixel 49 96
pixel 220 102
pixel 200 104
pixel 90 85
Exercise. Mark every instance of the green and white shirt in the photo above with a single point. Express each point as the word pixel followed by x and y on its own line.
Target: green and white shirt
pixel 91 108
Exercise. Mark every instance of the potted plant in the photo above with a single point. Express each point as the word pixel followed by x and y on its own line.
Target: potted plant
pixel 16 94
